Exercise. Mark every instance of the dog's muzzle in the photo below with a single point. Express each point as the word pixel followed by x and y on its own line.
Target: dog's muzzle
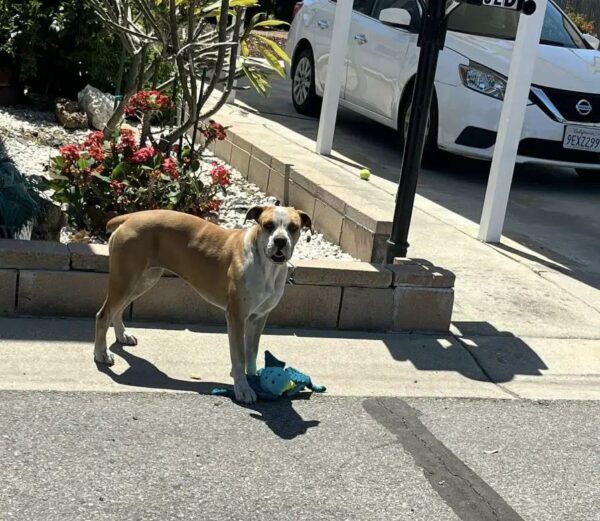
pixel 278 256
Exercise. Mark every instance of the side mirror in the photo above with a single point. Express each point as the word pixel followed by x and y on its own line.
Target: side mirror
pixel 396 17
pixel 592 41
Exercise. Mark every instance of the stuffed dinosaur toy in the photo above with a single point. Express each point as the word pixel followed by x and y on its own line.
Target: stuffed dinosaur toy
pixel 275 381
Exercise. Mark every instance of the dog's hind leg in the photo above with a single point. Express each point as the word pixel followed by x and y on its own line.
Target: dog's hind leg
pixel 120 291
pixel 147 281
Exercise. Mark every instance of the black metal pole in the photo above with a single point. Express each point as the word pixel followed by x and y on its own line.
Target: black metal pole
pixel 431 41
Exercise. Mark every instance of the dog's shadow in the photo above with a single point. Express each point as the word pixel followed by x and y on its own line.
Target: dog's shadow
pixel 279 416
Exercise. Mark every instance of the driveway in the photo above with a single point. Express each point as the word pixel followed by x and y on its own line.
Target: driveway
pixel 551 211
pixel 410 429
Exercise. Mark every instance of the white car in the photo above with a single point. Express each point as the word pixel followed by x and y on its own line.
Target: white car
pixel 562 124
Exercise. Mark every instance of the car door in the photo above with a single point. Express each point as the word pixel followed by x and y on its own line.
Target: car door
pixel 324 14
pixel 376 73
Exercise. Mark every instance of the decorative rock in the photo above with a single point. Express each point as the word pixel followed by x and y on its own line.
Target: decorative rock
pixel 97 105
pixel 69 115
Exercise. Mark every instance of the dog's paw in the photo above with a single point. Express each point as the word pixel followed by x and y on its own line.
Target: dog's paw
pixel 104 358
pixel 127 339
pixel 244 393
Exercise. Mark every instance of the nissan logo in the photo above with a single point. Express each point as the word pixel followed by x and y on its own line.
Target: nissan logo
pixel 584 107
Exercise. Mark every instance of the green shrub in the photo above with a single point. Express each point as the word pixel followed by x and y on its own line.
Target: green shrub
pixel 58 46
pixel 18 209
pixel 102 177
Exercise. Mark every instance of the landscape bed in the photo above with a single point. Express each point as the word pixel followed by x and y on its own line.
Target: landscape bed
pixel 327 287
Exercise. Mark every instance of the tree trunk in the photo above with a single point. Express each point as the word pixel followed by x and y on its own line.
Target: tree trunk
pixel 132 78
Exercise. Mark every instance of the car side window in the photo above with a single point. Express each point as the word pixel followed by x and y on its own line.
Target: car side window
pixel 363 6
pixel 412 6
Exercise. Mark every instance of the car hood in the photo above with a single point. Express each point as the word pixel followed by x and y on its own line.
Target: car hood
pixel 558 67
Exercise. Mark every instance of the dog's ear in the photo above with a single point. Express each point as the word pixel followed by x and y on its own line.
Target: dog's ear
pixel 306 223
pixel 254 214
pixel 305 220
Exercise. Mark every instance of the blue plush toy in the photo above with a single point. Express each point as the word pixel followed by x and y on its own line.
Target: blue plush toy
pixel 275 380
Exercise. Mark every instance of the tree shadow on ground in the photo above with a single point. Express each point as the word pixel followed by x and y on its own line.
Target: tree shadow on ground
pixel 280 416
pixel 480 352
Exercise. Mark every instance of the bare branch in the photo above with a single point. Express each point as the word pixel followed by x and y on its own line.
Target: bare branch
pixel 232 67
pixel 132 75
pixel 222 50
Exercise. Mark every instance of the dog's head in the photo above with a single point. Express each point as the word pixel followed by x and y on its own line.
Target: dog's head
pixel 278 230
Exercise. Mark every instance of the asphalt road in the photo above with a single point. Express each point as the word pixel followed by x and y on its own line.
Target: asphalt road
pixel 147 456
pixel 551 211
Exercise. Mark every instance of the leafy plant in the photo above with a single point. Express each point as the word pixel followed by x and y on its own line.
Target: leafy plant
pixel 201 40
pixel 18 209
pixel 269 50
pixel 58 46
pixel 104 177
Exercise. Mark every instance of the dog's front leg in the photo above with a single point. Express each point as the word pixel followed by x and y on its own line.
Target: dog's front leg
pixel 254 328
pixel 236 332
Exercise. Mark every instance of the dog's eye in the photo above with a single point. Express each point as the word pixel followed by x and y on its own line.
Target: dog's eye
pixel 269 226
pixel 292 228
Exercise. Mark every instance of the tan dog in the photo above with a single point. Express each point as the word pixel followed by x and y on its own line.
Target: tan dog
pixel 241 271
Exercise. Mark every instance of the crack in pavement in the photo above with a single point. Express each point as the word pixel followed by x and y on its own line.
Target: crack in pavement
pixel 469 496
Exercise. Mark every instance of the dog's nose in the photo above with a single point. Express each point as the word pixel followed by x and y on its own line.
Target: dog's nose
pixel 280 242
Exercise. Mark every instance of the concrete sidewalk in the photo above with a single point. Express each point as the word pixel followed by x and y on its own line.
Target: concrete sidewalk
pixel 506 289
pixel 54 354
pixel 511 300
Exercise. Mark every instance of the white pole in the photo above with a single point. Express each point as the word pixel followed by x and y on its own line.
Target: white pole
pixel 511 123
pixel 335 75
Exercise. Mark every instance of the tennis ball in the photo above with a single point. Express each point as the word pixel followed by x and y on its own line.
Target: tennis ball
pixel 365 173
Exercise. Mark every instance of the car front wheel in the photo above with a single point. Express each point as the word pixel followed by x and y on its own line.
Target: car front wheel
pixel 591 176
pixel 304 95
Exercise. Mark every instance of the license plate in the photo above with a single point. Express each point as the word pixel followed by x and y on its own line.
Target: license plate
pixel 582 138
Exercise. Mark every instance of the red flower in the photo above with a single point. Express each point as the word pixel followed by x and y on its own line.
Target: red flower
pixel 169 166
pixel 145 101
pixel 219 130
pixel 127 140
pixel 94 139
pixel 70 152
pixel 220 175
pixel 117 186
pixel 97 152
pixel 214 205
pixel 214 131
pixel 143 155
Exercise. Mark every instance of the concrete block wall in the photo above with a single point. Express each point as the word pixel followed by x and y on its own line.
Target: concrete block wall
pixel 49 279
pixel 346 210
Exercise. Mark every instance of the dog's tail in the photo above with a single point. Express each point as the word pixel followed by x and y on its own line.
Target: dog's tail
pixel 115 222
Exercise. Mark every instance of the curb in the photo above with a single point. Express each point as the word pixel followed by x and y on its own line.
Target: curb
pixel 38 278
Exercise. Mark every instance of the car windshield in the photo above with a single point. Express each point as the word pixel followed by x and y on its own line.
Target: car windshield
pixel 502 23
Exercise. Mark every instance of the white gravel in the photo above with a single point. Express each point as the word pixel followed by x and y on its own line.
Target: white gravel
pixel 31 138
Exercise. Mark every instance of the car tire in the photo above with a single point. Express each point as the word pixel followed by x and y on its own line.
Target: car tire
pixel 431 150
pixel 304 95
pixel 589 176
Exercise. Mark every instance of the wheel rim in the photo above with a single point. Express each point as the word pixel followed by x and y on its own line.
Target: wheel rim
pixel 302 80
pixel 407 121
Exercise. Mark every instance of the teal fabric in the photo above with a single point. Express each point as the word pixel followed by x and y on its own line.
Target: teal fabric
pixel 275 381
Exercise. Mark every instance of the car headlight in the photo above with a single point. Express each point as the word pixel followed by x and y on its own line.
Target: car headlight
pixel 481 79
